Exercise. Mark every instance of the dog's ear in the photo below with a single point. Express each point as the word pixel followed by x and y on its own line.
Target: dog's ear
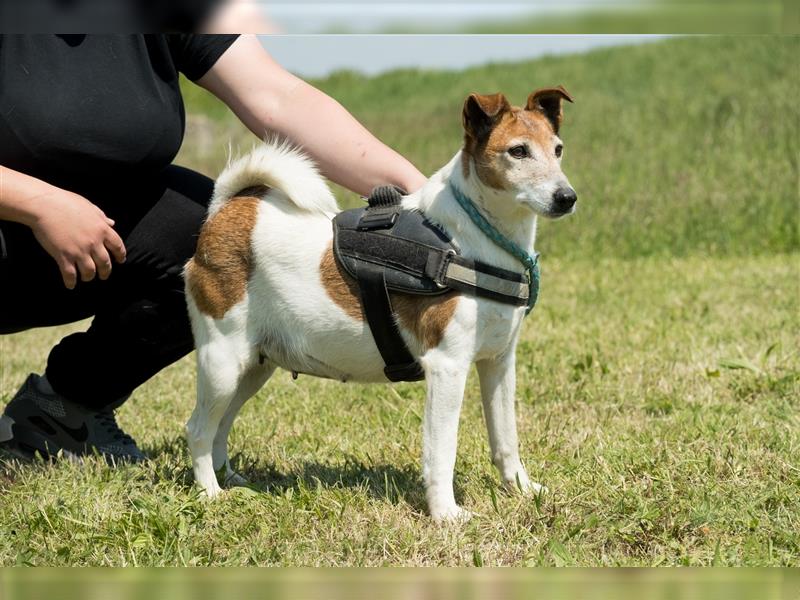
pixel 482 112
pixel 548 102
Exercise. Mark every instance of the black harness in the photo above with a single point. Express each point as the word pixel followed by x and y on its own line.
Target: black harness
pixel 386 248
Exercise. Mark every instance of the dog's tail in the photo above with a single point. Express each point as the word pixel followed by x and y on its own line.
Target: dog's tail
pixel 278 165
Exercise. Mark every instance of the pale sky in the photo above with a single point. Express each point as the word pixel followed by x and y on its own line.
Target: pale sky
pixel 319 55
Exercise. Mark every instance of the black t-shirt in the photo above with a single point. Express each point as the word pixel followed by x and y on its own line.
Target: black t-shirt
pixel 76 109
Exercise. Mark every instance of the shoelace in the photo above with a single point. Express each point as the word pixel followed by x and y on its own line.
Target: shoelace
pixel 108 420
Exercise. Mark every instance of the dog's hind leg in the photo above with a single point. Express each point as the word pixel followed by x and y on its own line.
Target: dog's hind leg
pixel 221 364
pixel 250 382
pixel 498 388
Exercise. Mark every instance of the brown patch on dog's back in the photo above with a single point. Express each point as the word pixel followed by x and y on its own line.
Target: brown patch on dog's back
pixel 340 287
pixel 426 317
pixel 218 273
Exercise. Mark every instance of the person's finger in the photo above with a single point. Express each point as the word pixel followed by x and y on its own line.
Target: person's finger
pixel 86 267
pixel 68 273
pixel 115 245
pixel 108 219
pixel 102 261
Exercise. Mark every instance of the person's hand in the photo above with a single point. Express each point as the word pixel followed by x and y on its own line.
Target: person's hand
pixel 78 235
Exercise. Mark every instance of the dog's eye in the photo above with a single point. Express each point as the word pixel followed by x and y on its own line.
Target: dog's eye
pixel 559 150
pixel 518 151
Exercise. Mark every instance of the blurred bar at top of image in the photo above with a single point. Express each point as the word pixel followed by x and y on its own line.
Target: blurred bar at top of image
pixel 535 16
pixel 417 16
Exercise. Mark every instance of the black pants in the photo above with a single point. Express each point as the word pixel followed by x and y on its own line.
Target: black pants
pixel 140 321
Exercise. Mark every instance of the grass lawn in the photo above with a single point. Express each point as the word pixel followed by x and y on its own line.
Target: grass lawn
pixel 657 401
pixel 658 378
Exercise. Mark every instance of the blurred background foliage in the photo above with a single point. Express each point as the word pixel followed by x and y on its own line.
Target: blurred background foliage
pixel 689 145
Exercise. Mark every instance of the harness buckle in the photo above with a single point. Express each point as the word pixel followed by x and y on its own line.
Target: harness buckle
pixel 436 267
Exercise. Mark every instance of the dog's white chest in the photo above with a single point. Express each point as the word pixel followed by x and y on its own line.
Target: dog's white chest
pixel 497 326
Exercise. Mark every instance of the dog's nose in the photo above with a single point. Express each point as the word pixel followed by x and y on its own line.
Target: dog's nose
pixel 564 198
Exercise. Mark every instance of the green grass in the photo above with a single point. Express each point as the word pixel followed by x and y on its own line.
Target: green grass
pixel 659 376
pixel 654 450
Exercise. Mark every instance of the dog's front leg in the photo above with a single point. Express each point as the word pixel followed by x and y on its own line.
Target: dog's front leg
pixel 446 381
pixel 498 388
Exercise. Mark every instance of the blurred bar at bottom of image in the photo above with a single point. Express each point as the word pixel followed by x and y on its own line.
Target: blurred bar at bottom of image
pixel 405 584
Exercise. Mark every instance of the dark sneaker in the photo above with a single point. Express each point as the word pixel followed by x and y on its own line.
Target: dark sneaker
pixel 37 420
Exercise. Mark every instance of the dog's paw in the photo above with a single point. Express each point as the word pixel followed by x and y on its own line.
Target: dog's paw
pixel 211 491
pixel 523 485
pixel 454 515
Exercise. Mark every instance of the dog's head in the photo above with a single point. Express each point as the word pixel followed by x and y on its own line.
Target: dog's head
pixel 517 151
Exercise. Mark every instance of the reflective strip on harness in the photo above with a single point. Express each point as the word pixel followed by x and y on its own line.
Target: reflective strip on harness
pixel 485 281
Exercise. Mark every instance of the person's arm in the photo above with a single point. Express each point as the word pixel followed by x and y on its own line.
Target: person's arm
pixel 75 232
pixel 267 98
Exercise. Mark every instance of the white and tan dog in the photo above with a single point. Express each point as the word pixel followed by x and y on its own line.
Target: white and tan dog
pixel 264 290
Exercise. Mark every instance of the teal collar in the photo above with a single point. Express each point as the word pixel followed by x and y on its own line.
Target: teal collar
pixel 531 262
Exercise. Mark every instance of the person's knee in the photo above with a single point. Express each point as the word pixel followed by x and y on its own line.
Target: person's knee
pixel 166 237
pixel 157 321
